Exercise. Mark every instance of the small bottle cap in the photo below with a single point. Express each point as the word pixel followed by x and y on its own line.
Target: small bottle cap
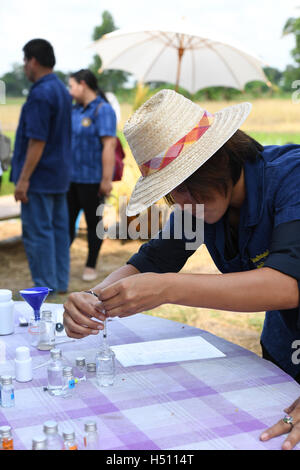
pixel 6 379
pixel 80 361
pixel 5 295
pixel 50 427
pixel 67 372
pixel 90 426
pixel 22 353
pixel 91 367
pixel 39 442
pixel 5 431
pixel 55 353
pixel 68 435
pixel 46 315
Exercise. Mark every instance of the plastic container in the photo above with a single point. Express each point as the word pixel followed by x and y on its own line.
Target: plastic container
pixel 7 323
pixel 23 364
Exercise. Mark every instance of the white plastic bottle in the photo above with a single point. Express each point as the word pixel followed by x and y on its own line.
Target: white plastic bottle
pixel 7 325
pixel 23 364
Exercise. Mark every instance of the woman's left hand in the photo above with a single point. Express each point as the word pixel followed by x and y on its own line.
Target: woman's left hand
pixel 134 294
pixel 283 428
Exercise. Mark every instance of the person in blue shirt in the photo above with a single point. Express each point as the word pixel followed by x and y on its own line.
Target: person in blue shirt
pixel 41 168
pixel 93 153
pixel 251 197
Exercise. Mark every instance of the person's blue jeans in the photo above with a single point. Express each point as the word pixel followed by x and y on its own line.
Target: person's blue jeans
pixel 45 226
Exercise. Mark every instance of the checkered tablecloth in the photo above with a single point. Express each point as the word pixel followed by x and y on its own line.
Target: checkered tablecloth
pixel 221 403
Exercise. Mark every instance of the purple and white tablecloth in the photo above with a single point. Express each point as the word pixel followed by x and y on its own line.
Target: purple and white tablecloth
pixel 220 403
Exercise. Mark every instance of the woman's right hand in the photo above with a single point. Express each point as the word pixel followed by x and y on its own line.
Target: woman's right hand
pixel 80 307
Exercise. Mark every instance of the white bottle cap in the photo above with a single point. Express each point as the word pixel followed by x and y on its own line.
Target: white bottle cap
pixel 5 295
pixel 22 353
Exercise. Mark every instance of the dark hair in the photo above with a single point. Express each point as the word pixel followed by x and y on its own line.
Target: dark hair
pixel 90 79
pixel 223 168
pixel 41 50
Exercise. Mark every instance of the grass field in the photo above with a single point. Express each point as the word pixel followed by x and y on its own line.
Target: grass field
pixel 271 121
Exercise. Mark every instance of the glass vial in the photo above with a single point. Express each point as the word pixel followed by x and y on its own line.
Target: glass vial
pixel 55 373
pixel 91 438
pixel 70 442
pixel 6 439
pixel 90 370
pixel 47 331
pixel 34 331
pixel 80 367
pixel 39 442
pixel 7 392
pixel 105 363
pixel 53 440
pixel 68 382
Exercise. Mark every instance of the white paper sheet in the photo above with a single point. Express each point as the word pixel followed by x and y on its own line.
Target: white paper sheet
pixel 169 350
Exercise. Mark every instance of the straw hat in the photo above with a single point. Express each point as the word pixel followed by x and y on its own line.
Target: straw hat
pixel 170 138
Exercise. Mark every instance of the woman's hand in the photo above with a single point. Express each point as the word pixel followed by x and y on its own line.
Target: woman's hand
pixel 135 294
pixel 282 428
pixel 79 309
pixel 105 188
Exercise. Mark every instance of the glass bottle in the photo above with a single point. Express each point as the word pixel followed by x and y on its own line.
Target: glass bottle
pixel 80 367
pixel 90 370
pixel 7 392
pixel 105 363
pixel 70 442
pixel 39 442
pixel 68 382
pixel 55 373
pixel 34 331
pixel 53 440
pixel 47 331
pixel 91 438
pixel 6 439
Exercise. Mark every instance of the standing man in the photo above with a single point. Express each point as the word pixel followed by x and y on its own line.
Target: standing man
pixel 41 168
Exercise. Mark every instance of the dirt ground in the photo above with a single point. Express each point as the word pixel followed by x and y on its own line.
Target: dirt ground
pixel 241 328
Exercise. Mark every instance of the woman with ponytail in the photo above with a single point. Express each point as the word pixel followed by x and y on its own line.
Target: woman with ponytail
pixel 93 150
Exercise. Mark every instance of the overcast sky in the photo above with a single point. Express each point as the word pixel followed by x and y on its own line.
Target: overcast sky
pixel 68 25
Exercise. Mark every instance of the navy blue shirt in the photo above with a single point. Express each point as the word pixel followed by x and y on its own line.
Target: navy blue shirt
pixel 46 116
pixel 89 124
pixel 272 202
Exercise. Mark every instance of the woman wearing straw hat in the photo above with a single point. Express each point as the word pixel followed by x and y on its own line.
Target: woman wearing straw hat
pixel 251 198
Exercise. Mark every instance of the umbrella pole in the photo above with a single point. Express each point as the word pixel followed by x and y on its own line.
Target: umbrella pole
pixel 180 54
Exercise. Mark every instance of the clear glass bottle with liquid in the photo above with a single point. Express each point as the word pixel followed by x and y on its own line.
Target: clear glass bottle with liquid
pixel 39 442
pixel 70 442
pixel 53 440
pixel 105 367
pixel 47 331
pixel 6 439
pixel 90 370
pixel 7 392
pixel 68 382
pixel 34 329
pixel 80 367
pixel 55 373
pixel 91 437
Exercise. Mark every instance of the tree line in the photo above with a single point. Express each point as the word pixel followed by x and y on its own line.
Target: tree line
pixel 113 80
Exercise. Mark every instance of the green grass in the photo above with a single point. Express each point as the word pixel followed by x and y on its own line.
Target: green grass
pixel 269 138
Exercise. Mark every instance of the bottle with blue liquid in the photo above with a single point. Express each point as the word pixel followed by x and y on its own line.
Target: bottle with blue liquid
pixel 7 392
